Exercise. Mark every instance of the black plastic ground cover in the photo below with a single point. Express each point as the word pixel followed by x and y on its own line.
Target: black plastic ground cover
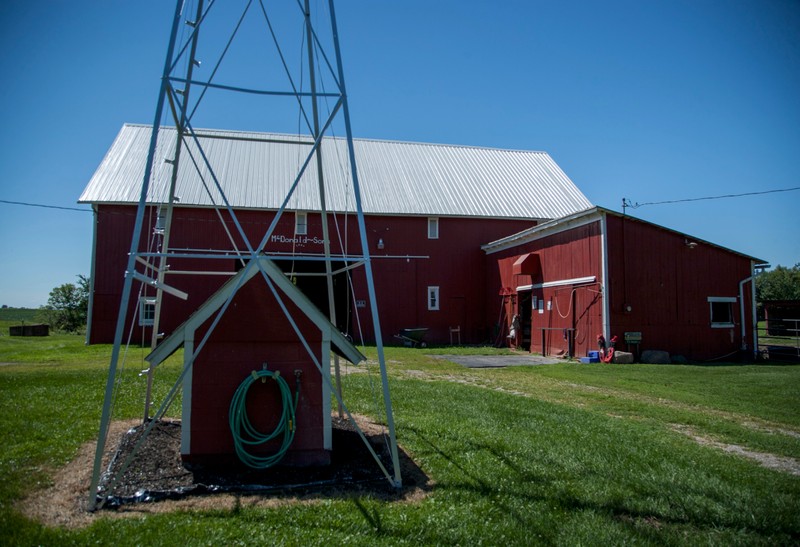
pixel 150 496
pixel 156 472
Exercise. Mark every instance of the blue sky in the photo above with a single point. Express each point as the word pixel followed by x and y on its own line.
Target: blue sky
pixel 646 100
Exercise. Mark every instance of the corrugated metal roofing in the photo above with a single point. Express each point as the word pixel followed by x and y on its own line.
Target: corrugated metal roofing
pixel 397 178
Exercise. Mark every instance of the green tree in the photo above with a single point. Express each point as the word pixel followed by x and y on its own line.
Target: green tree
pixel 68 305
pixel 782 283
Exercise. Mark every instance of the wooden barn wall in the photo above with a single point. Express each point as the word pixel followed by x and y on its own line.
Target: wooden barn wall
pixel 455 263
pixel 232 352
pixel 571 254
pixel 666 284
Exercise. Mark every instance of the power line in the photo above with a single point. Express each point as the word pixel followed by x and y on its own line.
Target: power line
pixel 626 203
pixel 45 206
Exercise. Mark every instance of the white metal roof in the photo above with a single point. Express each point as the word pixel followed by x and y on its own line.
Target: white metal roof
pixel 399 178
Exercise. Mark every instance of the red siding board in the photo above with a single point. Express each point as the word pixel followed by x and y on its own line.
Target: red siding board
pixel 259 335
pixel 667 283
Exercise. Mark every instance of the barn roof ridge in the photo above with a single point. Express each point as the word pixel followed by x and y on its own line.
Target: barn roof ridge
pixel 308 138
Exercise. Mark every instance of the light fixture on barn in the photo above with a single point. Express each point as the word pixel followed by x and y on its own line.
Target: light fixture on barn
pixel 259 291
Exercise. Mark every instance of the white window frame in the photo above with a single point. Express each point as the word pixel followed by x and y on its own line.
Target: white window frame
pixel 433 298
pixel 433 228
pixel 301 223
pixel 730 300
pixel 147 319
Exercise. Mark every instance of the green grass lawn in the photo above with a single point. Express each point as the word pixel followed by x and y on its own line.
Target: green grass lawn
pixel 559 454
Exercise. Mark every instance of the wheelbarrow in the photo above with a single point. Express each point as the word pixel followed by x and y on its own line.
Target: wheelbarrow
pixel 412 338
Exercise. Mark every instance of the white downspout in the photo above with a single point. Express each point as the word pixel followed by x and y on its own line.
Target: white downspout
pixel 741 312
pixel 604 283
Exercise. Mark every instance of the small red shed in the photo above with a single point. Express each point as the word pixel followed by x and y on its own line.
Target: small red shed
pixel 782 317
pixel 256 334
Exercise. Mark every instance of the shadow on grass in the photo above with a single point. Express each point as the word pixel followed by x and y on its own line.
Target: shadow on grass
pixel 562 495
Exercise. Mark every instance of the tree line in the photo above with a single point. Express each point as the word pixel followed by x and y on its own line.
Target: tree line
pixel 781 283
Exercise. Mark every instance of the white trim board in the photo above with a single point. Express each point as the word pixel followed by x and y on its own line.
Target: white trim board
pixel 559 283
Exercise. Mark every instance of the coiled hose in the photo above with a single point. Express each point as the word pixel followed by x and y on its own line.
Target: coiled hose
pixel 244 434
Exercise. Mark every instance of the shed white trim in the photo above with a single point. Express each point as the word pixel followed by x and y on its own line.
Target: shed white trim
pixel 559 283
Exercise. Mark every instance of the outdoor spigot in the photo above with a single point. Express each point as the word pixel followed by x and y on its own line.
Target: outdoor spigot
pixel 297 374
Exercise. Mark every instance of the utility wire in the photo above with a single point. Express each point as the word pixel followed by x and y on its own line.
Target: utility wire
pixel 627 203
pixel 45 206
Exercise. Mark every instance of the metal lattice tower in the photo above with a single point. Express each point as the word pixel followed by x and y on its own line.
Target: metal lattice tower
pixel 262 74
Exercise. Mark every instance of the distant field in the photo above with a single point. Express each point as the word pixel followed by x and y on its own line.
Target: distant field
pixel 17 316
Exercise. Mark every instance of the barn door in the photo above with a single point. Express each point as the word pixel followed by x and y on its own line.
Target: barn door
pixel 525 317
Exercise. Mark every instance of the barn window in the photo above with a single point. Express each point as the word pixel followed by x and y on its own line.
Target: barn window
pixel 300 224
pixel 147 311
pixel 721 309
pixel 433 298
pixel 433 228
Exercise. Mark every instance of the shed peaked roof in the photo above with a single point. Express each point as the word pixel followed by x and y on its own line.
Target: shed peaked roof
pixel 176 339
pixel 403 178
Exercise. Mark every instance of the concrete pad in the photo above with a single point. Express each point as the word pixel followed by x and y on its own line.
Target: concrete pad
pixel 499 361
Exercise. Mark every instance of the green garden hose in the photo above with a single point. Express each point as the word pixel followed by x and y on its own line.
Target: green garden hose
pixel 244 434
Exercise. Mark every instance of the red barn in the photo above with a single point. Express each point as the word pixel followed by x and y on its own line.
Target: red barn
pixel 460 237
pixel 428 209
pixel 598 272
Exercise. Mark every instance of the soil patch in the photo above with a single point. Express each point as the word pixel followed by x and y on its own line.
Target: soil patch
pixel 156 480
pixel 770 461
pixel 499 361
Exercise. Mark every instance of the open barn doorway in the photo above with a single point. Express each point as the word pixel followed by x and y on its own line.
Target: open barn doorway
pixel 309 276
pixel 525 315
